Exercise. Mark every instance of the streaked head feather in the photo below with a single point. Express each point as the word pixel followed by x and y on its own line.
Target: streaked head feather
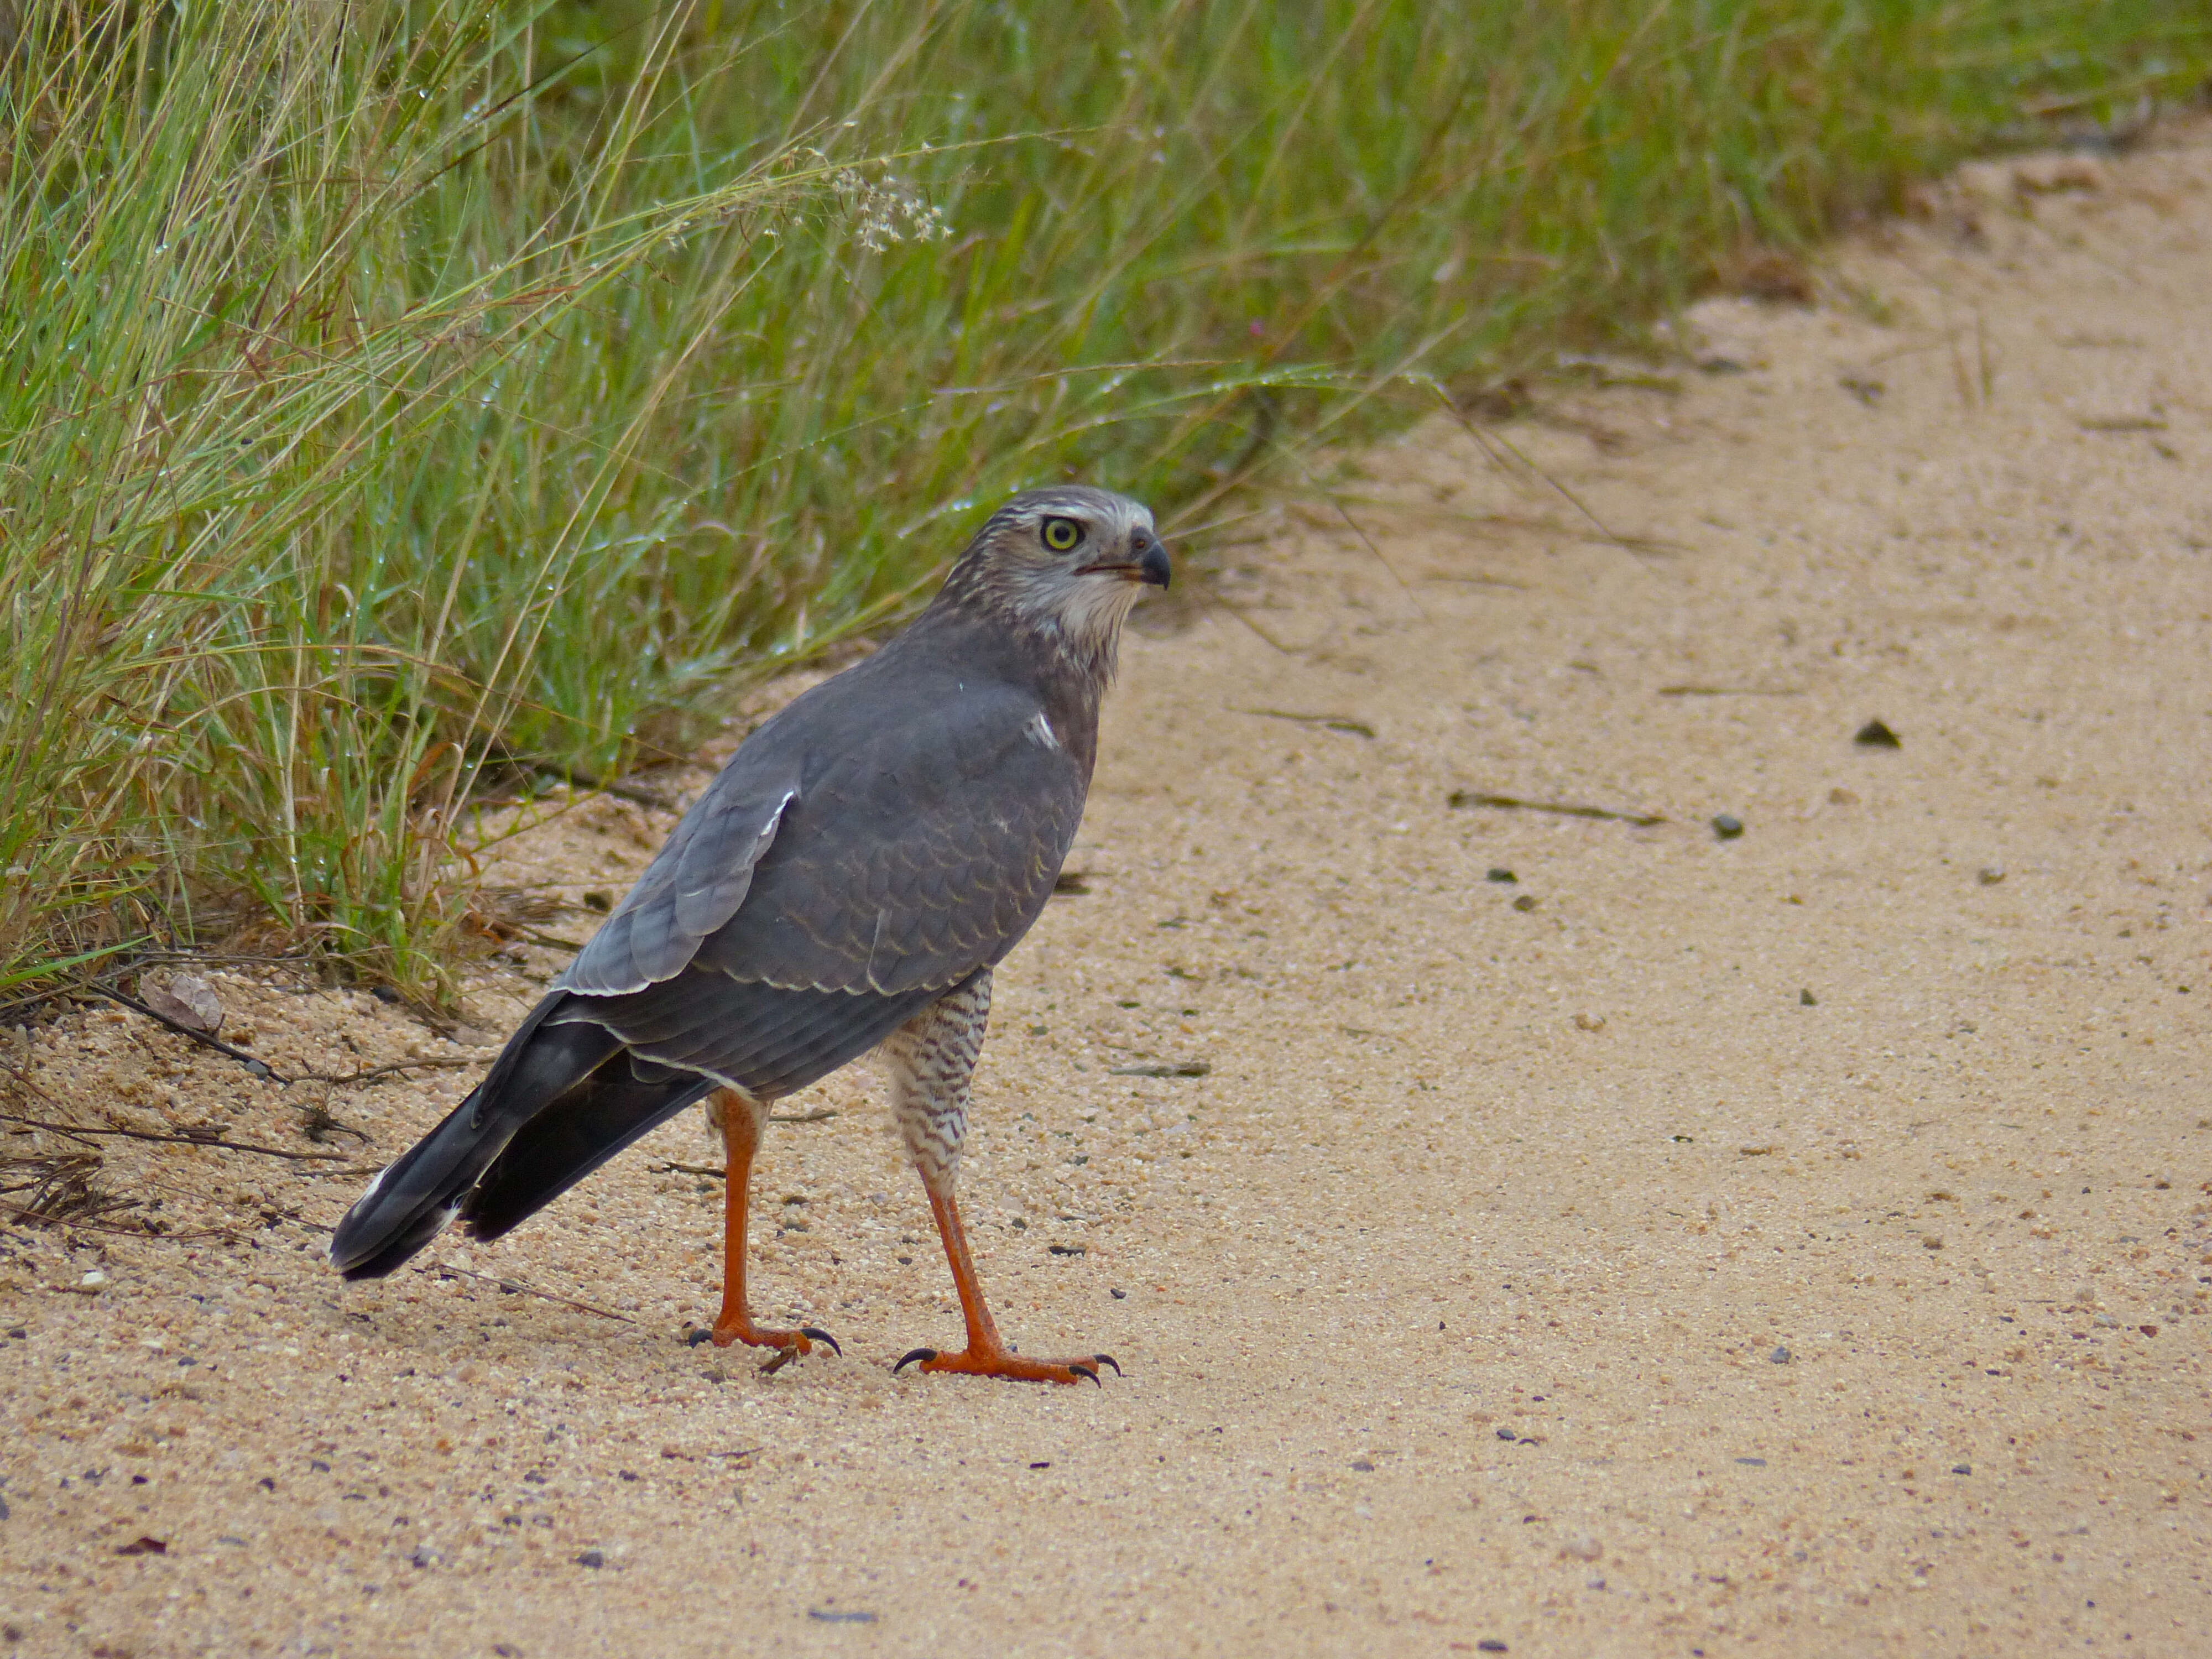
pixel 1076 596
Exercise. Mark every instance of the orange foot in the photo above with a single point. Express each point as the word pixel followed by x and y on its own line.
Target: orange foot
pixel 993 1360
pixel 789 1345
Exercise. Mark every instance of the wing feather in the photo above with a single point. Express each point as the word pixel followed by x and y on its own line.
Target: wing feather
pixel 885 833
pixel 693 884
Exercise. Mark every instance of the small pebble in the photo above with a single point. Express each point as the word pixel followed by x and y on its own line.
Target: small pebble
pixel 1507 1434
pixel 1931 1241
pixel 1490 1644
pixel 1753 1463
pixel 1806 999
pixel 1780 1356
pixel 1501 875
pixel 1526 902
pixel 384 993
pixel 1362 1466
pixel 1875 734
pixel 592 1558
pixel 1121 1295
pixel 1990 874
pixel 1962 1469
pixel 1728 826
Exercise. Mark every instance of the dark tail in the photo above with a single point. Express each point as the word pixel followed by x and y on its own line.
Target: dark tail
pixel 407 1206
pixel 623 1100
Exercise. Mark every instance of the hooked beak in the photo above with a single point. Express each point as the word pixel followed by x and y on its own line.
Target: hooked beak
pixel 1149 566
pixel 1152 564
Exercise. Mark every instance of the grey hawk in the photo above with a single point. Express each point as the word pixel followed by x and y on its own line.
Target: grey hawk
pixel 846 883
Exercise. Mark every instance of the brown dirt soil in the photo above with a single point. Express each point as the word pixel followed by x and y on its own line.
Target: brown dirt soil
pixel 1690 1246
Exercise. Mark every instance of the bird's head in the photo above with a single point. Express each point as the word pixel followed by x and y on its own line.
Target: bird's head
pixel 1067 563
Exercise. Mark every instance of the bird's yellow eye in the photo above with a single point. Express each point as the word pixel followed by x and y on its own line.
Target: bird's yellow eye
pixel 1061 534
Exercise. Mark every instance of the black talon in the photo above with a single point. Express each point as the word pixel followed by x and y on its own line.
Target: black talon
pixel 919 1354
pixel 820 1335
pixel 1108 1359
pixel 1085 1371
pixel 693 1338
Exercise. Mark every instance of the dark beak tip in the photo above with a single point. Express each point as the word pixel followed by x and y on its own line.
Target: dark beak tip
pixel 1155 566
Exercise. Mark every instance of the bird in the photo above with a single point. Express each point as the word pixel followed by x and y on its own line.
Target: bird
pixel 846 884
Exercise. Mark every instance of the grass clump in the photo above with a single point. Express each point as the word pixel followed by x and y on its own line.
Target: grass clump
pixel 400 390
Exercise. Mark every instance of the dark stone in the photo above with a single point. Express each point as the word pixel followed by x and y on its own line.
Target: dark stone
pixel 1362 1466
pixel 1806 999
pixel 1728 826
pixel 1780 1356
pixel 592 1558
pixel 1876 735
pixel 1501 875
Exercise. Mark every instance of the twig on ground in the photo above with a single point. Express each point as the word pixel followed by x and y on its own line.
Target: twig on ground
pixel 77 1223
pixel 252 1063
pixel 598 785
pixel 181 1140
pixel 1475 798
pixel 261 1068
pixel 1331 722
pixel 373 1073
pixel 516 1287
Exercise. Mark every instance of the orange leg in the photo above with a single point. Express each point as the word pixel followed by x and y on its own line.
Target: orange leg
pixel 985 1354
pixel 740 1140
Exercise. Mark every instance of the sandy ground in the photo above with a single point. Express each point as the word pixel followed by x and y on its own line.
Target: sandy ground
pixel 1689 1245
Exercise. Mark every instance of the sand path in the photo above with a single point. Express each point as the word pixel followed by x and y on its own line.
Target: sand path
pixel 1690 1246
